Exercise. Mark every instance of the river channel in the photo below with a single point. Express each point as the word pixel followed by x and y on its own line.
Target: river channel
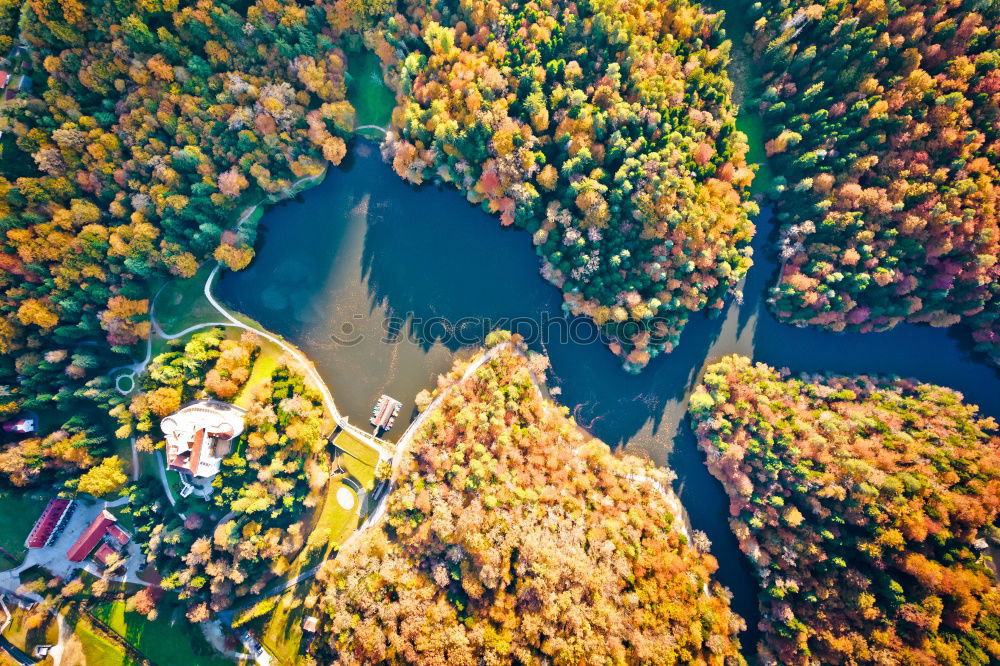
pixel 338 268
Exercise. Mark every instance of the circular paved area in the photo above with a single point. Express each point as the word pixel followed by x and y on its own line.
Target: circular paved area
pixel 345 498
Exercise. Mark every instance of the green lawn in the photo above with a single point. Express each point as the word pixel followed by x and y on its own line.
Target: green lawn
pixel 281 630
pixel 358 459
pixel 18 513
pixel 163 643
pixel 371 98
pixel 149 465
pixel 182 303
pixel 751 124
pixel 263 367
pixel 340 521
pixel 98 650
pixel 174 481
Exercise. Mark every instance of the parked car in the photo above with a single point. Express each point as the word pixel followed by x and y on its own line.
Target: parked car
pixel 25 425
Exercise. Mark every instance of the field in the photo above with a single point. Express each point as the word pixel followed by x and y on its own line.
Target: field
pixel 18 512
pixel 358 459
pixel 95 648
pixel 182 303
pixel 163 643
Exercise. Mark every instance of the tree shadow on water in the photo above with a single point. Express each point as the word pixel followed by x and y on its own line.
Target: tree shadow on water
pixel 431 258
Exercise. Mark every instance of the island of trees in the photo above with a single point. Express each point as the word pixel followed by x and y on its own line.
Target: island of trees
pixel 863 503
pixel 514 537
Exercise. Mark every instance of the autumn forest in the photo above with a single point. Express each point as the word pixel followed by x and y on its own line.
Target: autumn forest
pixel 181 483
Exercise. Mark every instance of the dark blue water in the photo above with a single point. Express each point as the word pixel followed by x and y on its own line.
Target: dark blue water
pixel 363 247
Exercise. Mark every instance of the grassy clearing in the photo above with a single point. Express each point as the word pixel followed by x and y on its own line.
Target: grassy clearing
pixel 358 459
pixel 371 98
pixel 162 642
pixel 339 521
pixel 281 630
pixel 182 303
pixel 332 519
pixel 97 649
pixel 263 367
pixel 18 513
pixel 329 519
pixel 752 125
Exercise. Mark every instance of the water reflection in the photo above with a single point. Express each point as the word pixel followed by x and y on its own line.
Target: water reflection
pixel 364 248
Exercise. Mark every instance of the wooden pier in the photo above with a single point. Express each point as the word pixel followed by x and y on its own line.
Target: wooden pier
pixel 384 413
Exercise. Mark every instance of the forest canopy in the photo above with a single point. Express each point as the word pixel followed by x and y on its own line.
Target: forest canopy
pixel 884 122
pixel 866 505
pixel 133 134
pixel 513 537
pixel 605 129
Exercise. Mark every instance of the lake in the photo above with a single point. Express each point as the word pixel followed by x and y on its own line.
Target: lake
pixel 337 268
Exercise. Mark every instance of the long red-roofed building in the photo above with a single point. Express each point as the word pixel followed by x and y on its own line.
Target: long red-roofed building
pixel 118 534
pixel 79 551
pixel 52 517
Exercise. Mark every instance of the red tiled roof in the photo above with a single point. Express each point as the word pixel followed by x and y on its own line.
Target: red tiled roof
pixel 47 522
pixel 196 444
pixel 4 77
pixel 187 461
pixel 79 551
pixel 118 534
pixel 104 553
